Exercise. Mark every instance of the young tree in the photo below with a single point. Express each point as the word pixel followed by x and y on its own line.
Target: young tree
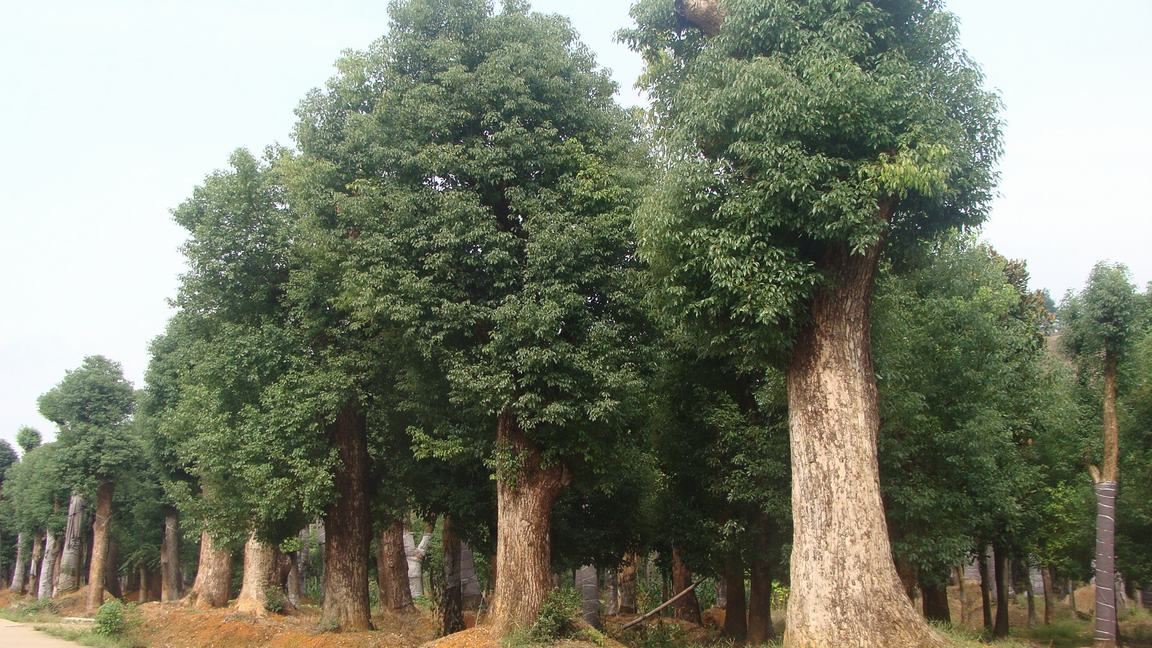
pixel 801 138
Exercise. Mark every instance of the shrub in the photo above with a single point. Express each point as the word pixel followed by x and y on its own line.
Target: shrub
pixel 556 616
pixel 112 619
pixel 275 600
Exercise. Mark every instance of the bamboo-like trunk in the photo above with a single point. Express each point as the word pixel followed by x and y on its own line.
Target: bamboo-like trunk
pixel 392 569
pixel 213 583
pixel 68 578
pixel 347 530
pixel 171 588
pixel 48 567
pixel 452 599
pixel 101 525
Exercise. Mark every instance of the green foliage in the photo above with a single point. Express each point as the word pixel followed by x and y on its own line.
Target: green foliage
pixel 8 458
pixel 36 491
pixel 275 600
pixel 28 438
pixel 113 619
pixel 557 616
pixel 1103 317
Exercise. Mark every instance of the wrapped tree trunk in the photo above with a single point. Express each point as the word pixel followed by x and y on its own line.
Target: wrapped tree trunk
pixel 845 590
pixel 17 584
pixel 1106 479
pixel 213 583
pixel 452 603
pixel 347 532
pixel 1000 630
pixel 628 584
pixel 415 556
pixel 588 585
pixel 688 607
pixel 171 579
pixel 48 566
pixel 101 525
pixel 69 576
pixel 33 585
pixel 760 629
pixel 735 611
pixel 523 529
pixel 260 574
pixel 392 569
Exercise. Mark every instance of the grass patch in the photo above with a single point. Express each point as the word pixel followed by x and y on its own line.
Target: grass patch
pixel 87 637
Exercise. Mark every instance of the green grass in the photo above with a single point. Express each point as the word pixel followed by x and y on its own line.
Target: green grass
pixel 85 635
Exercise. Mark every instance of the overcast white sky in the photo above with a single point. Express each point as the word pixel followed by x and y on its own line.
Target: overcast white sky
pixel 110 113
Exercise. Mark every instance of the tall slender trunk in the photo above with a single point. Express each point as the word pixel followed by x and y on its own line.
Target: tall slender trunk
pixel 628 583
pixel 171 581
pixel 1000 629
pixel 347 531
pixel 33 584
pixel 452 603
pixel 59 555
pixel 588 584
pixel 1031 595
pixel 260 574
pixel 985 588
pixel 1049 595
pixel 760 629
pixel 688 607
pixel 213 583
pixel 845 590
pixel 523 529
pixel 69 576
pixel 17 584
pixel 959 573
pixel 112 569
pixel 469 582
pixel 48 566
pixel 101 525
pixel 934 599
pixel 735 609
pixel 1106 487
pixel 392 569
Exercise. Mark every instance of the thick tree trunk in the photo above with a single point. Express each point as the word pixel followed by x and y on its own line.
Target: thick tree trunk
pixel 588 585
pixel 1106 487
pixel 69 576
pixel 1000 629
pixel 934 599
pixel 523 530
pixel 735 609
pixel 688 607
pixel 48 567
pixel 452 603
pixel 845 590
pixel 1049 594
pixel 760 629
pixel 101 525
pixel 985 588
pixel 392 569
pixel 261 572
pixel 628 584
pixel 347 532
pixel 20 567
pixel 33 585
pixel 213 584
pixel 172 585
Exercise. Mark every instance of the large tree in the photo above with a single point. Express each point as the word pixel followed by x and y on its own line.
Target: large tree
pixel 801 139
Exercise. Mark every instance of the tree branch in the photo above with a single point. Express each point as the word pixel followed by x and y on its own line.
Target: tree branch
pixel 704 14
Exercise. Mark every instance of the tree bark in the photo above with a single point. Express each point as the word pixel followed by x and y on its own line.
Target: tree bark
pixel 1000 629
pixel 523 530
pixel 112 569
pixel 452 603
pixel 33 584
pixel 213 583
pixel 611 592
pixel 688 607
pixel 735 609
pixel 171 580
pixel 588 585
pixel 1031 596
pixel 707 15
pixel 845 590
pixel 17 584
pixel 959 573
pixel 69 576
pixel 934 599
pixel 101 525
pixel 260 573
pixel 414 554
pixel 760 629
pixel 1106 487
pixel 392 569
pixel 346 528
pixel 293 584
pixel 985 588
pixel 628 584
pixel 48 566
pixel 1049 595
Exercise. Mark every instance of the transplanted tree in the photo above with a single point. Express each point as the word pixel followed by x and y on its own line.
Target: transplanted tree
pixel 801 138
pixel 1099 326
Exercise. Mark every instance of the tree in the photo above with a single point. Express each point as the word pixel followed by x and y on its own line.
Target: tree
pixel 1099 323
pixel 800 139
pixel 92 407
pixel 28 438
pixel 34 490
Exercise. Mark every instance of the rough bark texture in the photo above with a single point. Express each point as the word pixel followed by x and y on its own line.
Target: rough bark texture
pixel 172 581
pixel 69 576
pixel 1000 561
pixel 261 572
pixel 588 584
pixel 392 569
pixel 845 590
pixel 346 528
pixel 688 607
pixel 33 585
pixel 1105 632
pixel 101 525
pixel 735 608
pixel 523 530
pixel 213 577
pixel 707 15
pixel 1049 595
pixel 17 584
pixel 452 603
pixel 935 602
pixel 48 567
pixel 628 584
pixel 760 629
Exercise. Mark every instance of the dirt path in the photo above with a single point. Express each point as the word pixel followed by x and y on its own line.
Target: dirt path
pixel 18 634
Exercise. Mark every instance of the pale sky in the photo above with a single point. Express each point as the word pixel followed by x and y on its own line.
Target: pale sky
pixel 111 112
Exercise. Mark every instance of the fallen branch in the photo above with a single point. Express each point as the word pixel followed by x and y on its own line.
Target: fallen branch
pixel 649 615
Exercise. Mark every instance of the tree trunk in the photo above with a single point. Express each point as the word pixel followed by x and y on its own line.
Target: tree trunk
pixel 293 584
pixel 213 584
pixel 415 557
pixel 1106 486
pixel 260 573
pixel 452 603
pixel 760 629
pixel 112 569
pixel 735 609
pixel 845 590
pixel 469 582
pixel 1031 596
pixel 347 532
pixel 628 584
pixel 142 596
pixel 69 576
pixel 934 598
pixel 1049 595
pixel 704 14
pixel 171 580
pixel 588 585
pixel 33 584
pixel 688 607
pixel 985 588
pixel 959 573
pixel 48 566
pixel 1000 630
pixel 523 529
pixel 392 569
pixel 17 584
pixel 101 524
pixel 55 577
pixel 611 592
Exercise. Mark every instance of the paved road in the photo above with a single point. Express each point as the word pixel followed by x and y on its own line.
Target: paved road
pixel 18 635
